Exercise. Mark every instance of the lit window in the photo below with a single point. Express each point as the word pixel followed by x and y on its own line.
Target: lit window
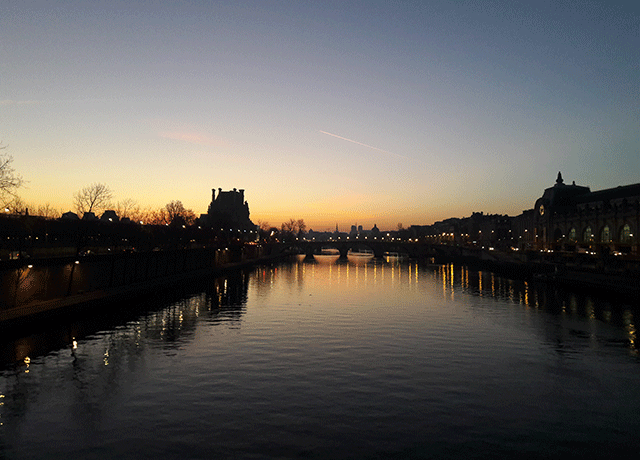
pixel 625 234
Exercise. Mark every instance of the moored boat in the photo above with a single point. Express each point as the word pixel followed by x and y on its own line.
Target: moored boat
pixel 360 255
pixel 327 255
pixel 392 257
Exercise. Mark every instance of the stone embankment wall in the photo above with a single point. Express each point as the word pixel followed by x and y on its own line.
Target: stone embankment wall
pixel 32 281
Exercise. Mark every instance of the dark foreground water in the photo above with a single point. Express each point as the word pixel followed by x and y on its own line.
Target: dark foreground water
pixel 309 360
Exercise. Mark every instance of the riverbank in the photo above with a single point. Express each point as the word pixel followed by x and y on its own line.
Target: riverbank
pixel 87 302
pixel 574 271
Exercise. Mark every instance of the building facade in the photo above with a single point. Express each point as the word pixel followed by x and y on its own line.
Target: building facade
pixel 564 218
pixel 572 217
pixel 228 210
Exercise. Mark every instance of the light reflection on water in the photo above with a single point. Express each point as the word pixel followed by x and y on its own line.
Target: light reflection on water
pixel 371 360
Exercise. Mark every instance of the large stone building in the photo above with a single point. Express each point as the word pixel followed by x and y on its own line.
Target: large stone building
pixel 228 210
pixel 572 216
pixel 565 217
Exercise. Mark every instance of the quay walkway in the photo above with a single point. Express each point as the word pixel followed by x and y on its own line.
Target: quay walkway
pixel 41 288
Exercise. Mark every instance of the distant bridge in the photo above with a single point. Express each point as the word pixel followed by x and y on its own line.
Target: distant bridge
pixel 417 250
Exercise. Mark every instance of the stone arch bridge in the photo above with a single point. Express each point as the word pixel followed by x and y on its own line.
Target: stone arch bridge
pixel 417 250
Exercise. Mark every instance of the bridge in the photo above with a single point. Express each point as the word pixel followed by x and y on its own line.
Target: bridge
pixel 417 250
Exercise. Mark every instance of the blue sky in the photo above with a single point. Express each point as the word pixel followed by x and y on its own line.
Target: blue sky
pixel 334 112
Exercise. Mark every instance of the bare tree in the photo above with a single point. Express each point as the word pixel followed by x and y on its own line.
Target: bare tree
pixel 264 229
pixel 47 211
pixel 15 205
pixel 144 216
pixel 158 217
pixel 177 213
pixel 130 209
pixel 293 228
pixel 9 180
pixel 93 198
pixel 302 227
pixel 289 227
pixel 172 213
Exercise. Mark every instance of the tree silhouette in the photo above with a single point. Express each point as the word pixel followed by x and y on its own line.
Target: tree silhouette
pixel 9 180
pixel 47 211
pixel 172 213
pixel 92 198
pixel 293 228
pixel 130 209
pixel 177 214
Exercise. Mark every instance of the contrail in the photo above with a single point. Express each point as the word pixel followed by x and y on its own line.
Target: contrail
pixel 364 145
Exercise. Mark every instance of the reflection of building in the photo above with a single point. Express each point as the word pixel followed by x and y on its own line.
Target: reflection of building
pixel 228 209
pixel 572 215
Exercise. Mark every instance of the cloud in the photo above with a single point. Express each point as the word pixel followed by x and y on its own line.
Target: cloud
pixel 192 137
pixel 364 145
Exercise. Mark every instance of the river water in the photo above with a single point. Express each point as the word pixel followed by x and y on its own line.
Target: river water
pixel 319 360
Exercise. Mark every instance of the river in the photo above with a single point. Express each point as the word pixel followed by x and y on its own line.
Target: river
pixel 321 360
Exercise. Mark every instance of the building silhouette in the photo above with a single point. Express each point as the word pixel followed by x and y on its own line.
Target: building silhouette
pixel 572 215
pixel 228 210
pixel 565 217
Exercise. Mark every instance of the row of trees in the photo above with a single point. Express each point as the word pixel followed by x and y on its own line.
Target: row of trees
pixel 288 231
pixel 10 181
pixel 95 198
pixel 98 197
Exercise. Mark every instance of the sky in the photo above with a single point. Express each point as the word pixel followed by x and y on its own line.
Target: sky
pixel 338 113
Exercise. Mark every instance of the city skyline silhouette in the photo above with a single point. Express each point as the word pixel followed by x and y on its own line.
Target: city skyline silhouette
pixel 374 113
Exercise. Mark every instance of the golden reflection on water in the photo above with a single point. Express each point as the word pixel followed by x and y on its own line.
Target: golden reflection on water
pixel 591 314
pixel 573 304
pixel 451 279
pixel 167 324
pixel 630 328
pixel 358 274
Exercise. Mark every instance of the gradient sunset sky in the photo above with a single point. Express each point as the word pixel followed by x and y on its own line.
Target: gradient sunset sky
pixel 334 112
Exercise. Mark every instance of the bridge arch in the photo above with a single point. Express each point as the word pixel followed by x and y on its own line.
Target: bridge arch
pixel 412 249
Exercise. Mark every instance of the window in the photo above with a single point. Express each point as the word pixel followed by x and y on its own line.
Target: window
pixel 625 234
pixel 606 235
pixel 572 235
pixel 587 236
